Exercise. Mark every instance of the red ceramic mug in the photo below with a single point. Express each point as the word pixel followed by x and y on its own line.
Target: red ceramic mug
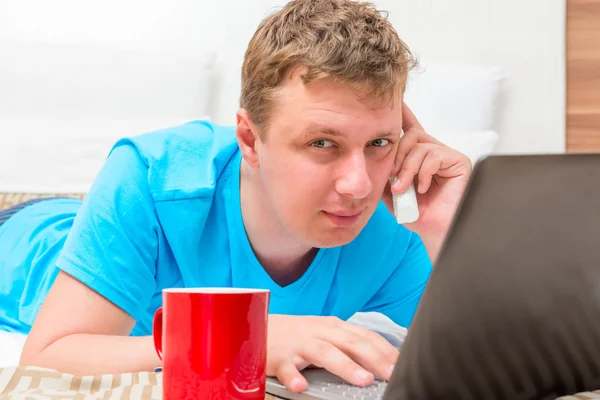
pixel 213 343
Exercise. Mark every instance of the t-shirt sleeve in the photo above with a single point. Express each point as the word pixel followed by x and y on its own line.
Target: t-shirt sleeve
pixel 399 297
pixel 113 244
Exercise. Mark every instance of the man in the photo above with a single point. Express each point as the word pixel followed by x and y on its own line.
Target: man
pixel 295 198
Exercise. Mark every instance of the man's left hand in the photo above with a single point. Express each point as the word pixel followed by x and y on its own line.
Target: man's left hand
pixel 440 175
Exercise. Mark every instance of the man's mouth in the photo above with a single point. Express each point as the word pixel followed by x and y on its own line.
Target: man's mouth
pixel 343 218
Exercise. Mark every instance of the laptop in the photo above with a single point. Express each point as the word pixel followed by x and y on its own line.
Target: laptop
pixel 512 308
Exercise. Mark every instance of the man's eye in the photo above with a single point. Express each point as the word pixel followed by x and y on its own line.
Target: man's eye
pixel 380 142
pixel 322 143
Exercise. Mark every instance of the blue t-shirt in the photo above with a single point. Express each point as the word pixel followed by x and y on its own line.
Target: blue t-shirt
pixel 164 211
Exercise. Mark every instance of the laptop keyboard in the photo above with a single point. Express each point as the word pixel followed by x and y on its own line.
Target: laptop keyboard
pixel 324 385
pixel 346 390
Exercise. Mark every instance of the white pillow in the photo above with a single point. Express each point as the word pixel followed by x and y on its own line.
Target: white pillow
pixel 43 154
pixel 454 97
pixel 63 105
pixel 64 80
pixel 476 145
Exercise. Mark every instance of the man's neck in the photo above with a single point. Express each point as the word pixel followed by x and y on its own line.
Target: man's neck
pixel 282 256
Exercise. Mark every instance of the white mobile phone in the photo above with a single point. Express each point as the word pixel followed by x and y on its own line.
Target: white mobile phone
pixel 406 208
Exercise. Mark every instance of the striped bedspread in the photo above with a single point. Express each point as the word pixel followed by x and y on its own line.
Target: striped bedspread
pixel 42 384
pixel 10 199
pixel 46 384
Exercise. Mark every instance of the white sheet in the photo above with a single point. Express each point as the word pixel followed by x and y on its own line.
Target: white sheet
pixel 11 346
pixel 377 322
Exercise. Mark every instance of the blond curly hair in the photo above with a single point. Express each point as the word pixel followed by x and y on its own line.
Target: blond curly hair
pixel 348 40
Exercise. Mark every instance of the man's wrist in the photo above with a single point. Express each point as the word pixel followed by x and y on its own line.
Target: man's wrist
pixel 433 244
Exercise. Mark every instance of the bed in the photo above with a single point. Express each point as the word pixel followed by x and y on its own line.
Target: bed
pixel 65 160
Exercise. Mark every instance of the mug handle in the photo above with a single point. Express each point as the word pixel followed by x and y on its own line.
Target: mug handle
pixel 157 331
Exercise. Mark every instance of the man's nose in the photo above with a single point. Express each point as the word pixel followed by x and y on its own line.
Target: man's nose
pixel 354 179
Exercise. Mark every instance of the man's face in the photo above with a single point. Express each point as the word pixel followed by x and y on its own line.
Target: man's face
pixel 326 159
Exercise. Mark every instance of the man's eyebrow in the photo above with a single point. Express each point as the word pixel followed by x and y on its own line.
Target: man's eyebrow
pixel 316 130
pixel 386 134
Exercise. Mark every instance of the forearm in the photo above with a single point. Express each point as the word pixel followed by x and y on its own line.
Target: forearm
pixel 84 354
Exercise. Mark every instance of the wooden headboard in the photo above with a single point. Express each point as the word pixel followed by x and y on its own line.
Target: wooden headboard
pixel 583 75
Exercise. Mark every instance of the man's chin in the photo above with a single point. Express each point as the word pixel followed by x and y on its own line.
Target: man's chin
pixel 329 238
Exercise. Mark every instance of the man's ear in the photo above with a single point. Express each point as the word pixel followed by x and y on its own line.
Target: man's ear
pixel 247 136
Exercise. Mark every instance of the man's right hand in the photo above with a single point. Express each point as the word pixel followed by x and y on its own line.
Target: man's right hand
pixel 355 354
